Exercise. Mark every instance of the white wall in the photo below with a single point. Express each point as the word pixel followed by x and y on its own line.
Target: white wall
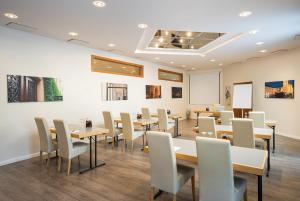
pixel 277 67
pixel 26 54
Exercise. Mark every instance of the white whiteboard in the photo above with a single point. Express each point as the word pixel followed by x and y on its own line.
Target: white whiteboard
pixel 242 96
pixel 204 88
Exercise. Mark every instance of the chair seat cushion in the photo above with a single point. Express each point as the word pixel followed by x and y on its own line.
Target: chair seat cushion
pixel 79 148
pixel 170 125
pixel 240 186
pixel 137 134
pixel 184 173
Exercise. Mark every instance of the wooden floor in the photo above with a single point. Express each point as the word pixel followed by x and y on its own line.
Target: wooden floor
pixel 125 177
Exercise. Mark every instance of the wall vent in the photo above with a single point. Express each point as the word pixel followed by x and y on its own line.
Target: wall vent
pixel 21 27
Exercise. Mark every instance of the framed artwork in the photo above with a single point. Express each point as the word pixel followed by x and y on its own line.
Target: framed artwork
pixel 115 91
pixel 176 92
pixel 280 89
pixel 153 91
pixel 228 95
pixel 33 89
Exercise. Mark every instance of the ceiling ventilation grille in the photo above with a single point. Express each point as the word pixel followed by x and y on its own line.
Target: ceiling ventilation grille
pixel 78 42
pixel 21 27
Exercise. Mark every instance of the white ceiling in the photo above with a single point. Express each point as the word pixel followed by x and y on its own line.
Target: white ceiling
pixel 278 21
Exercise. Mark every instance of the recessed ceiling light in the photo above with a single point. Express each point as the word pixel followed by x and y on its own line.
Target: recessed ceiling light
pixel 189 34
pixel 183 66
pixel 73 33
pixel 212 60
pixel 220 64
pixel 166 33
pixel 161 39
pixel 156 58
pixel 253 31
pixel 259 43
pixel 111 45
pixel 192 47
pixel 193 68
pixel 10 15
pixel 99 4
pixel 245 13
pixel 142 26
pixel 171 62
pixel 124 67
pixel 156 45
pixel 263 51
pixel 181 40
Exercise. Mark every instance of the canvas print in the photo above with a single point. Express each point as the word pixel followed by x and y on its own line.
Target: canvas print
pixel 33 89
pixel 280 89
pixel 176 92
pixel 228 95
pixel 153 91
pixel 116 91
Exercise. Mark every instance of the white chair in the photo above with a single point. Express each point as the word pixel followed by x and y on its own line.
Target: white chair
pixel 164 124
pixel 146 113
pixel 128 131
pixel 217 182
pixel 166 175
pixel 47 144
pixel 206 126
pixel 226 117
pixel 258 119
pixel 67 148
pixel 243 133
pixel 109 124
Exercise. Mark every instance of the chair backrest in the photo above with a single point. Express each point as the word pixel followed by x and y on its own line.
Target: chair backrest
pixel 162 119
pixel 146 113
pixel 162 161
pixel 258 119
pixel 243 133
pixel 207 127
pixel 226 117
pixel 215 169
pixel 44 134
pixel 64 138
pixel 108 122
pixel 127 125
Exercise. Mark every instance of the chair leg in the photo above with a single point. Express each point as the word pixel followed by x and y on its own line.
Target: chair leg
pixel 113 142
pixel 151 193
pixel 105 141
pixel 245 195
pixel 59 164
pixel 174 197
pixel 124 145
pixel 48 159
pixel 193 187
pixel 41 157
pixel 144 141
pixel 69 166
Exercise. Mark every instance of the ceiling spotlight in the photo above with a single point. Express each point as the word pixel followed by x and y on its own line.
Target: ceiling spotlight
pixel 259 43
pixel 73 33
pixel 212 60
pixel 181 40
pixel 124 67
pixel 245 13
pixel 192 46
pixel 10 15
pixel 263 51
pixel 142 26
pixel 166 33
pixel 171 62
pixel 99 4
pixel 111 45
pixel 183 66
pixel 220 64
pixel 156 45
pixel 156 58
pixel 253 31
pixel 193 68
pixel 161 39
pixel 189 34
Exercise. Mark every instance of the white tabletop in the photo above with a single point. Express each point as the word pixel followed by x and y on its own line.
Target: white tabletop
pixel 259 132
pixel 244 159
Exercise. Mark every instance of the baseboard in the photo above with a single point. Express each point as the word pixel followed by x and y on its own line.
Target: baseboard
pixel 289 135
pixel 17 159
